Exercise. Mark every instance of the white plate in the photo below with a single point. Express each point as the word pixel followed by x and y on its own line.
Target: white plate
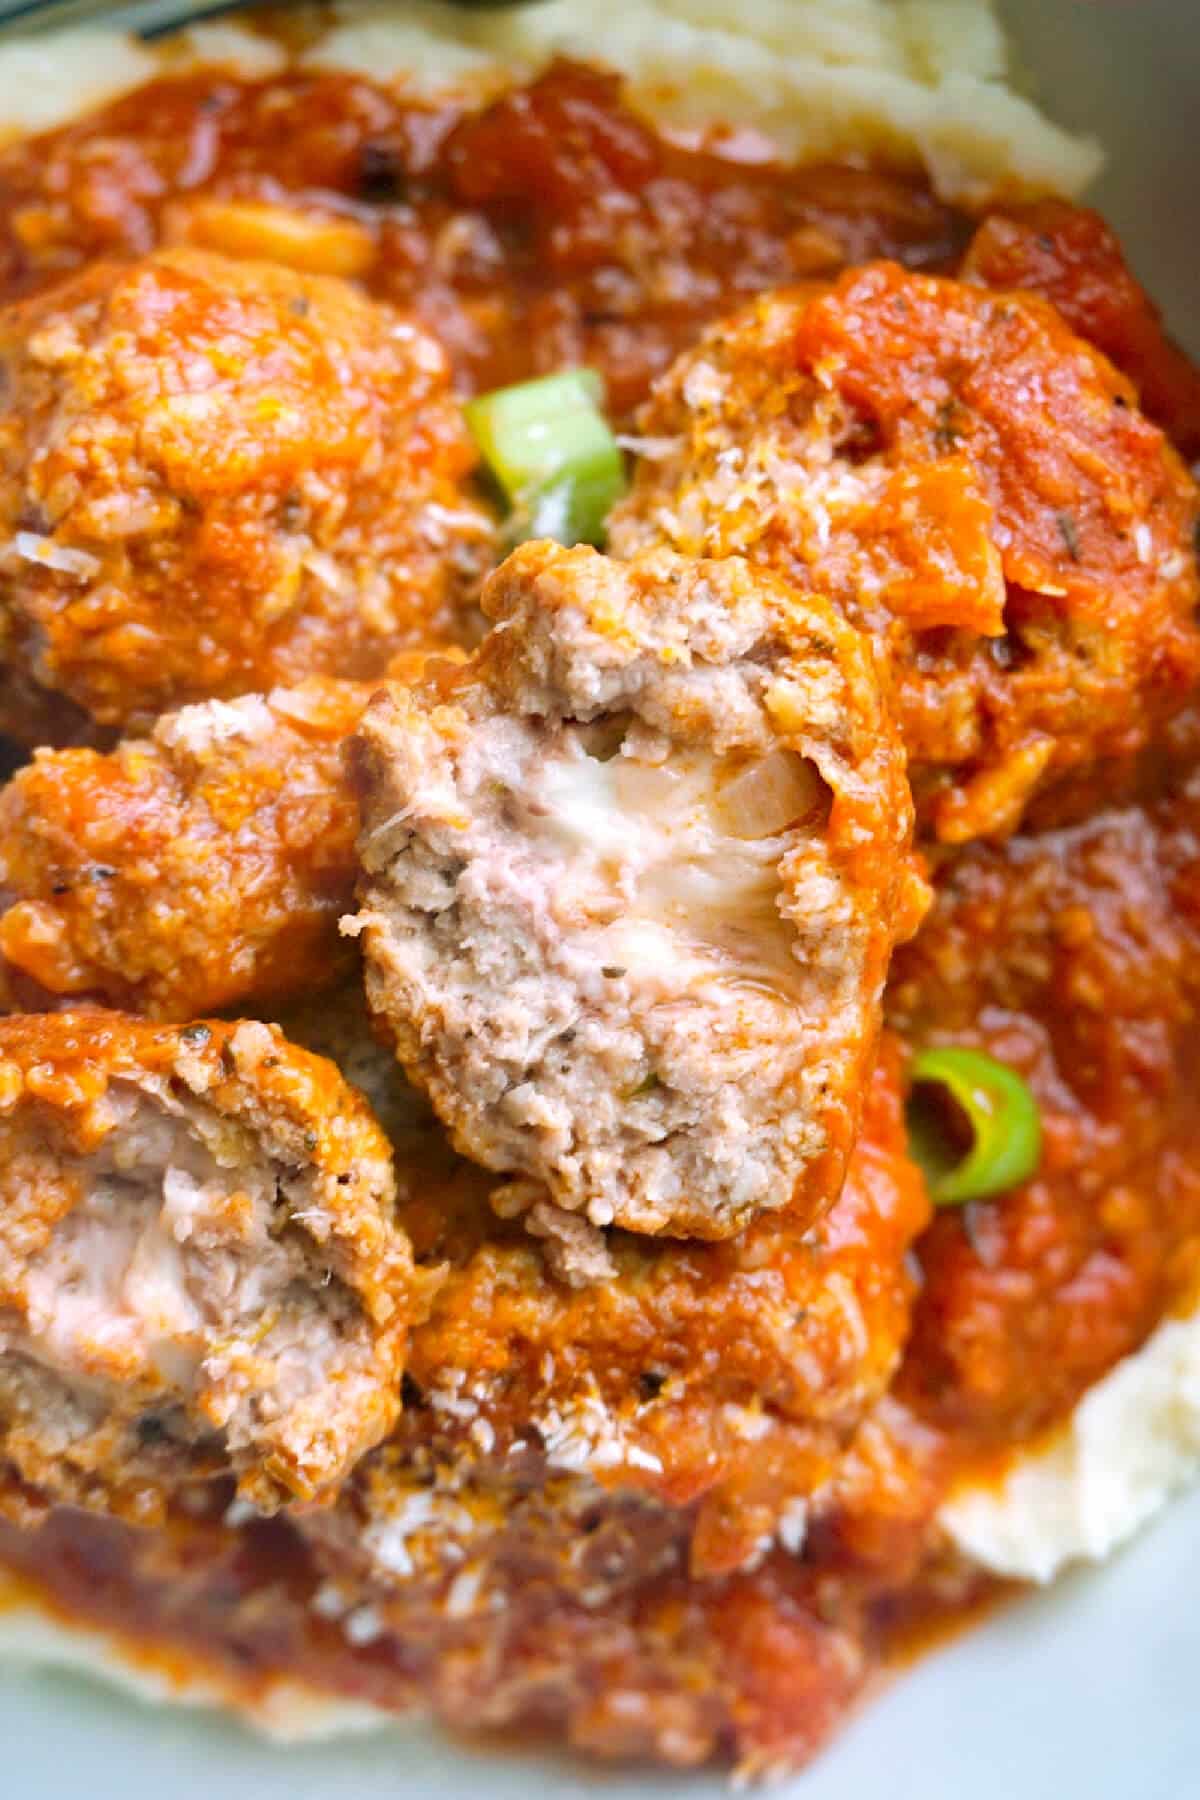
pixel 1088 1692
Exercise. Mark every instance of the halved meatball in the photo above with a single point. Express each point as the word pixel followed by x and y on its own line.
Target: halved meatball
pixel 202 867
pixel 657 1378
pixel 974 485
pixel 217 475
pixel 632 877
pixel 199 1266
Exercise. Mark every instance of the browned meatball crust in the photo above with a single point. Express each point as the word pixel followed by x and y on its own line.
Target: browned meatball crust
pixel 972 483
pixel 199 1265
pixel 216 475
pixel 199 868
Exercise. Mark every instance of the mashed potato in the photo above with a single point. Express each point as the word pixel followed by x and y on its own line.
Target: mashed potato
pixel 913 80
pixel 32 1636
pixel 920 82
pixel 1131 1445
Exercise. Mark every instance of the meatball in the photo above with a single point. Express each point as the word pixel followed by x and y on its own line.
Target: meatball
pixel 632 877
pixel 654 1381
pixel 202 867
pixel 657 1378
pixel 199 1266
pixel 214 476
pixel 973 484
pixel 1071 257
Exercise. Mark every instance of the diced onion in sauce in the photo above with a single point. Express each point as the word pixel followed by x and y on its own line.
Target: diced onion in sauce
pixel 281 234
pixel 768 796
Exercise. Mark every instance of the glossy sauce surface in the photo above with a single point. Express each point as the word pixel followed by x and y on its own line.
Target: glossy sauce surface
pixel 554 228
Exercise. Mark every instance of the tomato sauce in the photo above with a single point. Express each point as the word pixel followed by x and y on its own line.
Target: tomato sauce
pixel 554 228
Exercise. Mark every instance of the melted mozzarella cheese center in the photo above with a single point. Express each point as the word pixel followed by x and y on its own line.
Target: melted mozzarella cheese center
pixel 667 839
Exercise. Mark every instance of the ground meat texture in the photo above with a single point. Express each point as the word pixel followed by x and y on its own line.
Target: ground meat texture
pixel 1070 256
pixel 200 868
pixel 657 1379
pixel 632 877
pixel 726 1375
pixel 479 1570
pixel 972 483
pixel 217 475
pixel 199 1265
pixel 1075 957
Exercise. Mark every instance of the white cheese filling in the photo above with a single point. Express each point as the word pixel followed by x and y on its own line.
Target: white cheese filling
pixel 689 850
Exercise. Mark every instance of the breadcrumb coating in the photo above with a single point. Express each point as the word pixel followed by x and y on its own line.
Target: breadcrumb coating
pixel 973 484
pixel 200 1269
pixel 199 868
pixel 218 475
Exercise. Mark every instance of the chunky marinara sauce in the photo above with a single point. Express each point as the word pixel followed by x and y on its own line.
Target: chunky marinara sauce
pixel 551 228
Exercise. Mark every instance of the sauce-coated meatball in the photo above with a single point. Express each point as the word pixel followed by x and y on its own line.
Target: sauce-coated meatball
pixel 200 1271
pixel 214 476
pixel 973 484
pixel 202 867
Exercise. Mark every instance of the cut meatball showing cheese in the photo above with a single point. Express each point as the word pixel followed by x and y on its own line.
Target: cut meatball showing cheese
pixel 973 484
pixel 660 1376
pixel 200 1271
pixel 632 877
pixel 655 1371
pixel 202 867
pixel 215 476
